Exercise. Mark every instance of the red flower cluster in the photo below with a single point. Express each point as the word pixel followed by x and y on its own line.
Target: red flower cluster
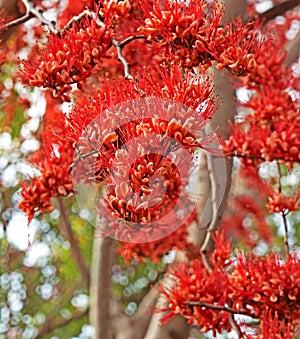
pixel 273 136
pixel 271 131
pixel 190 282
pixel 53 160
pixel 264 288
pixel 220 257
pixel 191 92
pixel 196 37
pixel 157 150
pixel 115 9
pixel 267 287
pixel 53 181
pixel 178 27
pixel 236 49
pixel 69 56
pixel 155 250
pixel 279 202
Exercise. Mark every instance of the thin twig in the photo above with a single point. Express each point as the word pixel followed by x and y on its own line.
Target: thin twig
pixel 235 326
pixel 75 250
pixel 78 17
pixel 286 238
pixel 215 216
pixel 17 21
pixel 31 11
pixel 216 307
pixel 256 157
pixel 283 213
pixel 119 46
pixel 121 58
pixel 131 38
pixel 38 14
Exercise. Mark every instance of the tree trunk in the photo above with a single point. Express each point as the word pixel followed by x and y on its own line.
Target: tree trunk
pixel 100 288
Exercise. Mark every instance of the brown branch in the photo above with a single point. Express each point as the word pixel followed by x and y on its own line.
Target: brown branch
pixel 100 288
pixel 277 10
pixel 52 324
pixel 283 214
pixel 235 326
pixel 147 301
pixel 286 232
pixel 17 21
pixel 131 38
pixel 31 11
pixel 128 327
pixel 216 307
pixel 257 157
pixel 119 47
pixel 121 58
pixel 75 250
pixel 81 15
pixel 214 205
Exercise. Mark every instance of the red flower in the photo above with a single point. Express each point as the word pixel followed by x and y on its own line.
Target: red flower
pixel 281 203
pixel 53 160
pixel 260 284
pixel 220 257
pixel 155 250
pixel 142 149
pixel 181 28
pixel 68 57
pixel 191 282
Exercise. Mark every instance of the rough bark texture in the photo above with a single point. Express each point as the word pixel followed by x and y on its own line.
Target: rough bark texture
pixel 100 288
pixel 219 177
pixel 177 328
pixel 126 327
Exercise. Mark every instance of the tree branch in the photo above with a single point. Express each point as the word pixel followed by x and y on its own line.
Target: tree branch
pixel 277 10
pixel 126 327
pixel 218 169
pixel 31 11
pixel 175 329
pixel 216 307
pixel 214 206
pixel 235 326
pixel 119 47
pixel 75 250
pixel 81 15
pixel 121 58
pixel 283 214
pixel 52 324
pixel 100 288
pixel 17 21
pixel 131 38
